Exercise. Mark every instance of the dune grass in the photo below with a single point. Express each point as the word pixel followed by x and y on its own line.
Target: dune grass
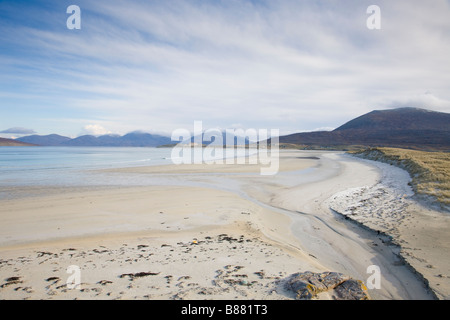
pixel 429 171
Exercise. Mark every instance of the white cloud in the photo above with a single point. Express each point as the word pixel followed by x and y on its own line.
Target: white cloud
pixel 95 129
pixel 324 129
pixel 19 130
pixel 426 100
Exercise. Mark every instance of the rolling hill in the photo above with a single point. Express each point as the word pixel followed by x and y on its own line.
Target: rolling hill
pixel 403 127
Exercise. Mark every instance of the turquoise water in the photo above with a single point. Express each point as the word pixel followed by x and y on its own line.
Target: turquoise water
pixel 77 166
pixel 53 166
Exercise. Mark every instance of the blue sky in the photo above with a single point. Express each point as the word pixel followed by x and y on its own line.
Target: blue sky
pixel 161 65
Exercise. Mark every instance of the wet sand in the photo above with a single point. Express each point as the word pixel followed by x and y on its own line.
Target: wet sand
pixel 212 232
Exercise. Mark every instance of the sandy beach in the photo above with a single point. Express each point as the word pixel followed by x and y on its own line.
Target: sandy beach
pixel 226 232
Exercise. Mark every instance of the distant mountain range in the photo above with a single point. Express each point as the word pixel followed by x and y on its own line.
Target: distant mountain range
pixel 403 128
pixel 49 140
pixel 133 139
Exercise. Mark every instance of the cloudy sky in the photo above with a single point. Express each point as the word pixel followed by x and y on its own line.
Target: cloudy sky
pixel 161 65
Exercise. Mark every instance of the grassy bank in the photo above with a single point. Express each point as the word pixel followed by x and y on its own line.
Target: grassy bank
pixel 429 171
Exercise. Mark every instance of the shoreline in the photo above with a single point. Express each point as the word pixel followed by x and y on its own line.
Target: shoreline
pixel 402 215
pixel 391 241
pixel 300 234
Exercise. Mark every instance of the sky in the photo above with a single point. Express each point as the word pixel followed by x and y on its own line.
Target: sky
pixel 157 66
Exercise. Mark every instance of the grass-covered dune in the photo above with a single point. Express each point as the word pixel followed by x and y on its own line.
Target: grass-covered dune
pixel 429 171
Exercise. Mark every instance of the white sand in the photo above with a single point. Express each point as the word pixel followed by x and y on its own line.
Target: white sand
pixel 391 207
pixel 251 232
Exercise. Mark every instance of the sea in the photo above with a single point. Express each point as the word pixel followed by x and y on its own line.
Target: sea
pixel 78 166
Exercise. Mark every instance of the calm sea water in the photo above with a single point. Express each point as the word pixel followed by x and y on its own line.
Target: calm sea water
pixel 75 166
pixel 31 166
